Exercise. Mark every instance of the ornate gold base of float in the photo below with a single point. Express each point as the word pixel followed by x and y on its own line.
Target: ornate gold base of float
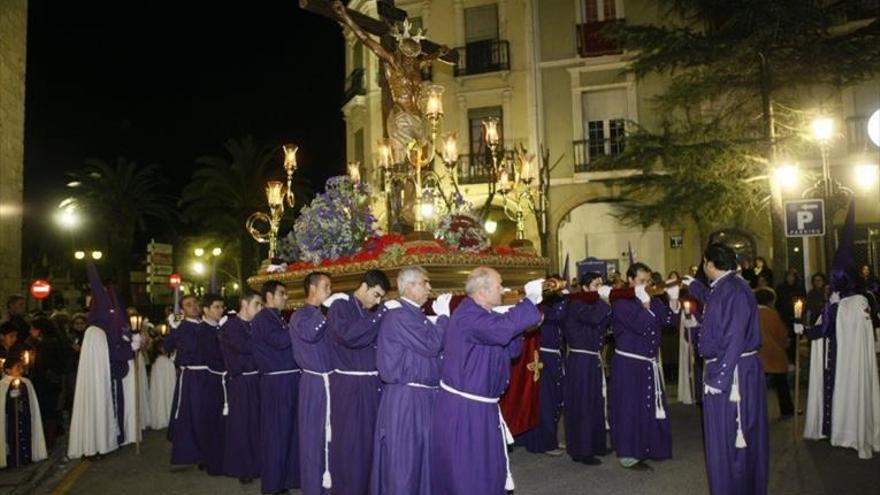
pixel 448 272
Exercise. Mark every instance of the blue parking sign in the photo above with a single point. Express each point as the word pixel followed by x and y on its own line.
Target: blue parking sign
pixel 804 217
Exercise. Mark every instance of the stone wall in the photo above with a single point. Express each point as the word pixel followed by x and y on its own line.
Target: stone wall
pixel 13 48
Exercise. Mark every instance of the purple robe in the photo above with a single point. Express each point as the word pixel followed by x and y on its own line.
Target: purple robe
pixel 468 446
pixel 585 327
pixel 242 448
pixel 311 350
pixel 186 405
pixel 636 430
pixel 23 426
pixel 827 330
pixel 355 398
pixel 279 388
pixel 730 329
pixel 119 348
pixel 211 422
pixel 543 437
pixel 408 359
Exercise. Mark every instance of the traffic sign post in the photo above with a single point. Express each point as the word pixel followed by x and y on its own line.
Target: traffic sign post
pixel 804 217
pixel 40 289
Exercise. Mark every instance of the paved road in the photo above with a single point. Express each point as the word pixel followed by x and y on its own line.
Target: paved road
pixel 804 468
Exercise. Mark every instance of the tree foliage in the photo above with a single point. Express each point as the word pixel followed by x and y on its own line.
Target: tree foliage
pixel 225 190
pixel 738 73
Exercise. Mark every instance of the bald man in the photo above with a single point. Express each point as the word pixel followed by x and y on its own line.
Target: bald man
pixel 469 449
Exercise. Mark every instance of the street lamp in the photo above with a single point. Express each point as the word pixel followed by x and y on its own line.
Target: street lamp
pixel 866 175
pixel 786 176
pixel 216 251
pixel 96 255
pixel 80 255
pixel 199 252
pixel 198 268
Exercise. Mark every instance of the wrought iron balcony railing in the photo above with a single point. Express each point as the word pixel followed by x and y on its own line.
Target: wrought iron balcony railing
pixel 480 57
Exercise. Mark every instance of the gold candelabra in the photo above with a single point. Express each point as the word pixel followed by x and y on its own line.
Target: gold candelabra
pixel 420 155
pixel 277 194
pixel 518 196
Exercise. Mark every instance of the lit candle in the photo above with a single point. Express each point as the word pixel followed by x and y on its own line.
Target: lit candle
pixel 290 156
pixel 354 171
pixel 384 151
pixel 434 103
pixel 16 383
pixel 504 181
pixel 450 148
pixel 27 358
pixel 490 131
pixel 798 308
pixel 274 194
pixel 687 308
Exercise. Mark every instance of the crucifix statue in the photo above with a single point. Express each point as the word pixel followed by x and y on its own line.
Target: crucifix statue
pixel 403 52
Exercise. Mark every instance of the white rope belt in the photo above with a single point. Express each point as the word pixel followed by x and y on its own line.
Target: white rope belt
pixel 283 372
pixel 326 482
pixel 506 436
pixel 249 373
pixel 422 385
pixel 659 412
pixel 356 373
pixel 604 382
pixel 735 397
pixel 550 350
pixel 221 374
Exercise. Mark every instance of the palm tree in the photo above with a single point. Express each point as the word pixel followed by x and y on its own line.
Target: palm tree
pixel 225 190
pixel 118 200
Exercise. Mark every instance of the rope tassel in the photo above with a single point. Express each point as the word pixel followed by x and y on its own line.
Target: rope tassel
pixel 737 399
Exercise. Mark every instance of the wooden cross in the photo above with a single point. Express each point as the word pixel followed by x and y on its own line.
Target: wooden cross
pixel 378 27
pixel 536 366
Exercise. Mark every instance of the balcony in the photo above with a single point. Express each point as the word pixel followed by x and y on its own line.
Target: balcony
pixel 591 42
pixel 586 152
pixel 354 85
pixel 475 168
pixel 481 57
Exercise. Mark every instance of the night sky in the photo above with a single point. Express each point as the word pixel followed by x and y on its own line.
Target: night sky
pixel 167 82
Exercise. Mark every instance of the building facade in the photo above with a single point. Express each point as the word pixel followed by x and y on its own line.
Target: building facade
pixel 546 72
pixel 13 45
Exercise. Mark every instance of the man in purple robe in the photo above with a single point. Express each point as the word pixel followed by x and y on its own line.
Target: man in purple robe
pixel 734 398
pixel 279 387
pixel 469 436
pixel 585 391
pixel 543 438
pixel 408 353
pixel 311 349
pixel 355 388
pixel 186 408
pixel 242 447
pixel 119 346
pixel 213 409
pixel 639 425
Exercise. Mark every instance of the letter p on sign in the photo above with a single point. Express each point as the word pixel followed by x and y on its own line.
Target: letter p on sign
pixel 803 218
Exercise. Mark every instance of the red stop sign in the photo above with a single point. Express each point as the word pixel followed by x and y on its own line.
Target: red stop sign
pixel 40 289
pixel 174 280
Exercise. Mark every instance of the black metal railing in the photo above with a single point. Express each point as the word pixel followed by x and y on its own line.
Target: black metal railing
pixel 480 57
pixel 354 85
pixel 586 152
pixel 592 40
pixel 475 168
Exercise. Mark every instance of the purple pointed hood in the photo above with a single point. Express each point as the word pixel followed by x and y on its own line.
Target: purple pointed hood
pixel 843 268
pixel 101 311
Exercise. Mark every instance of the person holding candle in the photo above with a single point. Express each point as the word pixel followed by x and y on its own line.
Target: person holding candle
pixel 734 390
pixel 638 420
pixel 21 431
pixel 9 346
pixel 585 388
pixel 279 436
pixel 355 388
pixel 843 399
pixel 242 447
pixel 93 427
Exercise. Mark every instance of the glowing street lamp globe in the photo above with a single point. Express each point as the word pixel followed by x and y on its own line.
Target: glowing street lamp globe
pixel 874 127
